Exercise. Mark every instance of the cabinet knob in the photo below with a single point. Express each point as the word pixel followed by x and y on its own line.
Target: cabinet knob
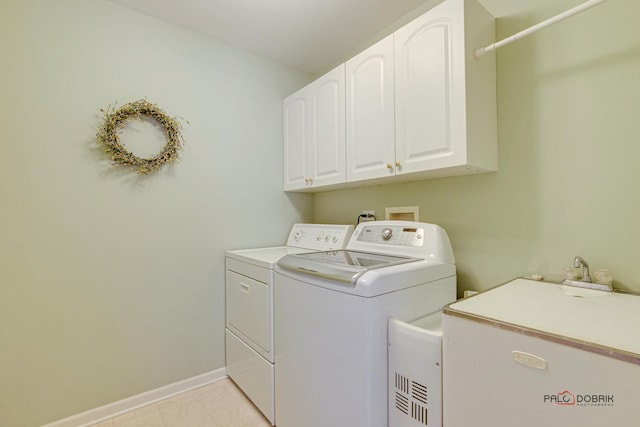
pixel 398 165
pixel 389 166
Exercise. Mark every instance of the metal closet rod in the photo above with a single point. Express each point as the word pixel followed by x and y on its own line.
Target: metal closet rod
pixel 535 28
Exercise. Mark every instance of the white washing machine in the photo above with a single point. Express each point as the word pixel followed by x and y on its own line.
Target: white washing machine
pixel 249 306
pixel 331 313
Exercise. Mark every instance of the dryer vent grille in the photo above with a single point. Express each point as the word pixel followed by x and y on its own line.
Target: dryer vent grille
pixel 402 403
pixel 411 394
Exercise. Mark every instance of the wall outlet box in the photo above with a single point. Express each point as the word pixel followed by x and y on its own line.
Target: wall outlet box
pixel 367 216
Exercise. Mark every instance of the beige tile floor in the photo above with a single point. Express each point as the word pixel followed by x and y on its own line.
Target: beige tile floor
pixel 220 404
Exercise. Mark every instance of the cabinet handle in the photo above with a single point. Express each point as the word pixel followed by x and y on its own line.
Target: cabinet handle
pixel 244 288
pixel 310 181
pixel 389 166
pixel 398 165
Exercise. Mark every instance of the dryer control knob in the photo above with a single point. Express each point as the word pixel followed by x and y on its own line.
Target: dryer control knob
pixel 386 233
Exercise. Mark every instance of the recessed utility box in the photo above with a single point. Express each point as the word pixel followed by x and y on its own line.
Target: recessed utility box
pixel 406 213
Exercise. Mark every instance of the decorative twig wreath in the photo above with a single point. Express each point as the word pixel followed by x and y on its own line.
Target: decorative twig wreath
pixel 114 121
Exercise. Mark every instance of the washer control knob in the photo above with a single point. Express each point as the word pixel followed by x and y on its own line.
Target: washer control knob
pixel 386 233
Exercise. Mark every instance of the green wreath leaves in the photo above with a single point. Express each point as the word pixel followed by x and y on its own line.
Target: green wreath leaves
pixel 114 121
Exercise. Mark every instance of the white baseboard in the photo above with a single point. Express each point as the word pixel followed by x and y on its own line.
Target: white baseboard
pixel 110 410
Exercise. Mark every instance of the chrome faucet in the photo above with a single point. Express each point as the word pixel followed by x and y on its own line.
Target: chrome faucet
pixel 580 262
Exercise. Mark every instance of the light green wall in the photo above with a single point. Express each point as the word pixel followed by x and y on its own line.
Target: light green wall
pixel 568 104
pixel 113 284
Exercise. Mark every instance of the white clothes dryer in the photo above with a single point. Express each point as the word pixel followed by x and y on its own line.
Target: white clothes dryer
pixel 249 306
pixel 331 313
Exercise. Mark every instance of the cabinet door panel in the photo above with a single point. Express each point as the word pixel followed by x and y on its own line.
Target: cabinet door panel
pixel 326 155
pixel 425 82
pixel 370 112
pixel 425 86
pixel 295 140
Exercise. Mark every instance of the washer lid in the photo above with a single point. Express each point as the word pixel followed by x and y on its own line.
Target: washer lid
pixel 344 266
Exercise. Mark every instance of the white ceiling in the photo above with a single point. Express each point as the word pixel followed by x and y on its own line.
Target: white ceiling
pixel 310 35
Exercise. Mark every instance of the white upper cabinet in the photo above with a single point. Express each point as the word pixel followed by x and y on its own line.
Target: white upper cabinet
pixel 314 133
pixel 418 104
pixel 370 113
pixel 445 100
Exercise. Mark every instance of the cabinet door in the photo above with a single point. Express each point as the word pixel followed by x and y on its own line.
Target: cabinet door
pixel 326 132
pixel 295 116
pixel 370 113
pixel 428 88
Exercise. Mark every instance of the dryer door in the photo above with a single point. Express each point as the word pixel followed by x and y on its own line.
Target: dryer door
pixel 248 309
